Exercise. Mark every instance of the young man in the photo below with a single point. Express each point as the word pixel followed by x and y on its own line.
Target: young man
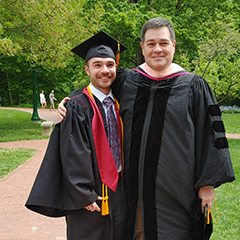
pixel 175 148
pixel 83 163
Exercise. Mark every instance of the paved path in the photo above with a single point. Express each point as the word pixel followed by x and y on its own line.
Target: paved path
pixel 45 114
pixel 234 136
pixel 17 222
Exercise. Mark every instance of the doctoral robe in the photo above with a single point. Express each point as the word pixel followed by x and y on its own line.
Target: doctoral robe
pixel 69 178
pixel 174 144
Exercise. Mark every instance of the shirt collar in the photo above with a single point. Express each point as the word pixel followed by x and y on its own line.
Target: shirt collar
pixel 100 95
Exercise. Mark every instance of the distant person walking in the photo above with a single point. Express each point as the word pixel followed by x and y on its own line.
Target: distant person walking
pixel 43 100
pixel 52 98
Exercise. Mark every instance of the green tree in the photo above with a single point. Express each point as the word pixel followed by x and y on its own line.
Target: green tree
pixel 219 57
pixel 37 33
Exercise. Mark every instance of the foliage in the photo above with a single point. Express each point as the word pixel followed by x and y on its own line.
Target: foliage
pixel 230 109
pixel 41 28
pixel 37 33
pixel 126 22
pixel 41 33
pixel 220 50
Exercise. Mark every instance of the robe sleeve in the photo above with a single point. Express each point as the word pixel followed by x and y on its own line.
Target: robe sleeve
pixel 118 83
pixel 76 148
pixel 65 181
pixel 213 161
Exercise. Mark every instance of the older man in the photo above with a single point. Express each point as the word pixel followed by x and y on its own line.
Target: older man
pixel 175 147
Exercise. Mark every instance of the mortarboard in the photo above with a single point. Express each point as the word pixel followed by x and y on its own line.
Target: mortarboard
pixel 99 45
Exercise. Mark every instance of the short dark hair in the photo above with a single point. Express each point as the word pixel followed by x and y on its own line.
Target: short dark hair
pixel 157 23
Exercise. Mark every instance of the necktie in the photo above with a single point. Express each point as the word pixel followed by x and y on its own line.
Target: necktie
pixel 113 138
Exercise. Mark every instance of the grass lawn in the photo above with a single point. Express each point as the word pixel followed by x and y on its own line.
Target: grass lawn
pixel 16 126
pixel 231 122
pixel 12 158
pixel 228 201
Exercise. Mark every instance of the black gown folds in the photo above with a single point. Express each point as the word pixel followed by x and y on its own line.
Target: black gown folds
pixel 174 144
pixel 69 179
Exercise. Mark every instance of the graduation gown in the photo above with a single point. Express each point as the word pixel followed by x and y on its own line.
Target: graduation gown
pixel 69 179
pixel 174 143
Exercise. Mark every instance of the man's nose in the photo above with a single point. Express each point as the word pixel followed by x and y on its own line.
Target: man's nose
pixel 105 69
pixel 158 48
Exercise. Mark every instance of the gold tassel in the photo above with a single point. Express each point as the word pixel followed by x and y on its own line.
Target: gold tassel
pixel 208 216
pixel 215 213
pixel 121 123
pixel 105 207
pixel 118 54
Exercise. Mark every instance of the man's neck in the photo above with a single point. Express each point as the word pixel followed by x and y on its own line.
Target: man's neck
pixel 173 68
pixel 99 94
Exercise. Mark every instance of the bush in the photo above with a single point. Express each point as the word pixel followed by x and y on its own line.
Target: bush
pixel 229 109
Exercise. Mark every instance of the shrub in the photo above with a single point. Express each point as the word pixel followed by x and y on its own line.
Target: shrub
pixel 230 109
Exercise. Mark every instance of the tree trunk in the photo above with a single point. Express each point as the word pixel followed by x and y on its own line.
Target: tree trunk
pixel 136 1
pixel 179 4
pixel 211 59
pixel 139 57
pixel 9 88
pixel 196 67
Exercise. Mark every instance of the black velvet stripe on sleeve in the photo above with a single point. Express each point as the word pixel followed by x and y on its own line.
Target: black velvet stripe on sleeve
pixel 218 126
pixel 221 143
pixel 214 110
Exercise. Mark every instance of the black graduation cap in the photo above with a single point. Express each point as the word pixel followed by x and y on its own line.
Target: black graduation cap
pixel 99 45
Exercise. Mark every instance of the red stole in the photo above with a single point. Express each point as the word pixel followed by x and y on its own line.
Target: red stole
pixel 106 164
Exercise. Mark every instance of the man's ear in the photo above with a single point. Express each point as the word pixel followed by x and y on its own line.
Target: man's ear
pixel 87 69
pixel 174 45
pixel 141 44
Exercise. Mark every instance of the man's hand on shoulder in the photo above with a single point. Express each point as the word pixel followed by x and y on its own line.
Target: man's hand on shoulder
pixel 62 111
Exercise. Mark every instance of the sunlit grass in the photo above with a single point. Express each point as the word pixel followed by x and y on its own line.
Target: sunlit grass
pixel 231 122
pixel 228 201
pixel 16 126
